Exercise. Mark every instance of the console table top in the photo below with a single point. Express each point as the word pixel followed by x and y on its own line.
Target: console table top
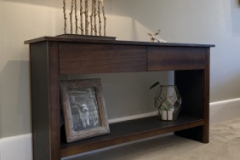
pixel 80 40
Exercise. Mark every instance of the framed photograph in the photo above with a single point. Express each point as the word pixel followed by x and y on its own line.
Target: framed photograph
pixel 83 108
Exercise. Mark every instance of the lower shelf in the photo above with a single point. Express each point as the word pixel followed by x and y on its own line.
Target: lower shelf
pixel 129 131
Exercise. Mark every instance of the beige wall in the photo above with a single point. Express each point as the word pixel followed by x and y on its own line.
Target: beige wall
pixel 184 21
pixel 192 21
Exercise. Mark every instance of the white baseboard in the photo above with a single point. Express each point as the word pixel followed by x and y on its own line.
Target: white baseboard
pixel 0 149
pixel 224 110
pixel 115 120
pixel 20 147
pixel 16 147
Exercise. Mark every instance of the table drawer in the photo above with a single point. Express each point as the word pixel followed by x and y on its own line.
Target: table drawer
pixel 175 58
pixel 76 58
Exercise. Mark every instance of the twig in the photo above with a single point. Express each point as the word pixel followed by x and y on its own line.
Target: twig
pixel 81 16
pixel 104 17
pixel 86 17
pixel 76 17
pixel 65 16
pixel 99 18
pixel 95 18
pixel 70 15
pixel 91 17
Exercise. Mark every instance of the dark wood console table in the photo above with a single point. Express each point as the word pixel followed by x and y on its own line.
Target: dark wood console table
pixel 51 57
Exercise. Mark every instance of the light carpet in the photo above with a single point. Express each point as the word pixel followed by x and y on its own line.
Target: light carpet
pixel 224 145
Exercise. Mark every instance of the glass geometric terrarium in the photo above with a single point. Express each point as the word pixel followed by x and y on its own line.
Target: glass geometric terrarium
pixel 168 102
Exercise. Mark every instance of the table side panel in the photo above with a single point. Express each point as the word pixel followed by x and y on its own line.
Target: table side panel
pixel 45 100
pixel 175 58
pixel 196 82
pixel 206 97
pixel 54 99
pixel 39 101
pixel 82 58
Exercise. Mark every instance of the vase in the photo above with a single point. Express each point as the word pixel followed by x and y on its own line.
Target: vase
pixel 168 102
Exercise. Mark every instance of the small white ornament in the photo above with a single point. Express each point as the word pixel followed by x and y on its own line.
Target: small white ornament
pixel 154 39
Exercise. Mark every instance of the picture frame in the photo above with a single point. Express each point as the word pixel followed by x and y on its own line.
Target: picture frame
pixel 84 109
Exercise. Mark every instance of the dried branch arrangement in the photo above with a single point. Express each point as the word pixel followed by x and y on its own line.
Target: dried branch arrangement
pixel 89 15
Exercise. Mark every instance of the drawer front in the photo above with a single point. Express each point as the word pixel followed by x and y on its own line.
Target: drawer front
pixel 76 58
pixel 175 58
